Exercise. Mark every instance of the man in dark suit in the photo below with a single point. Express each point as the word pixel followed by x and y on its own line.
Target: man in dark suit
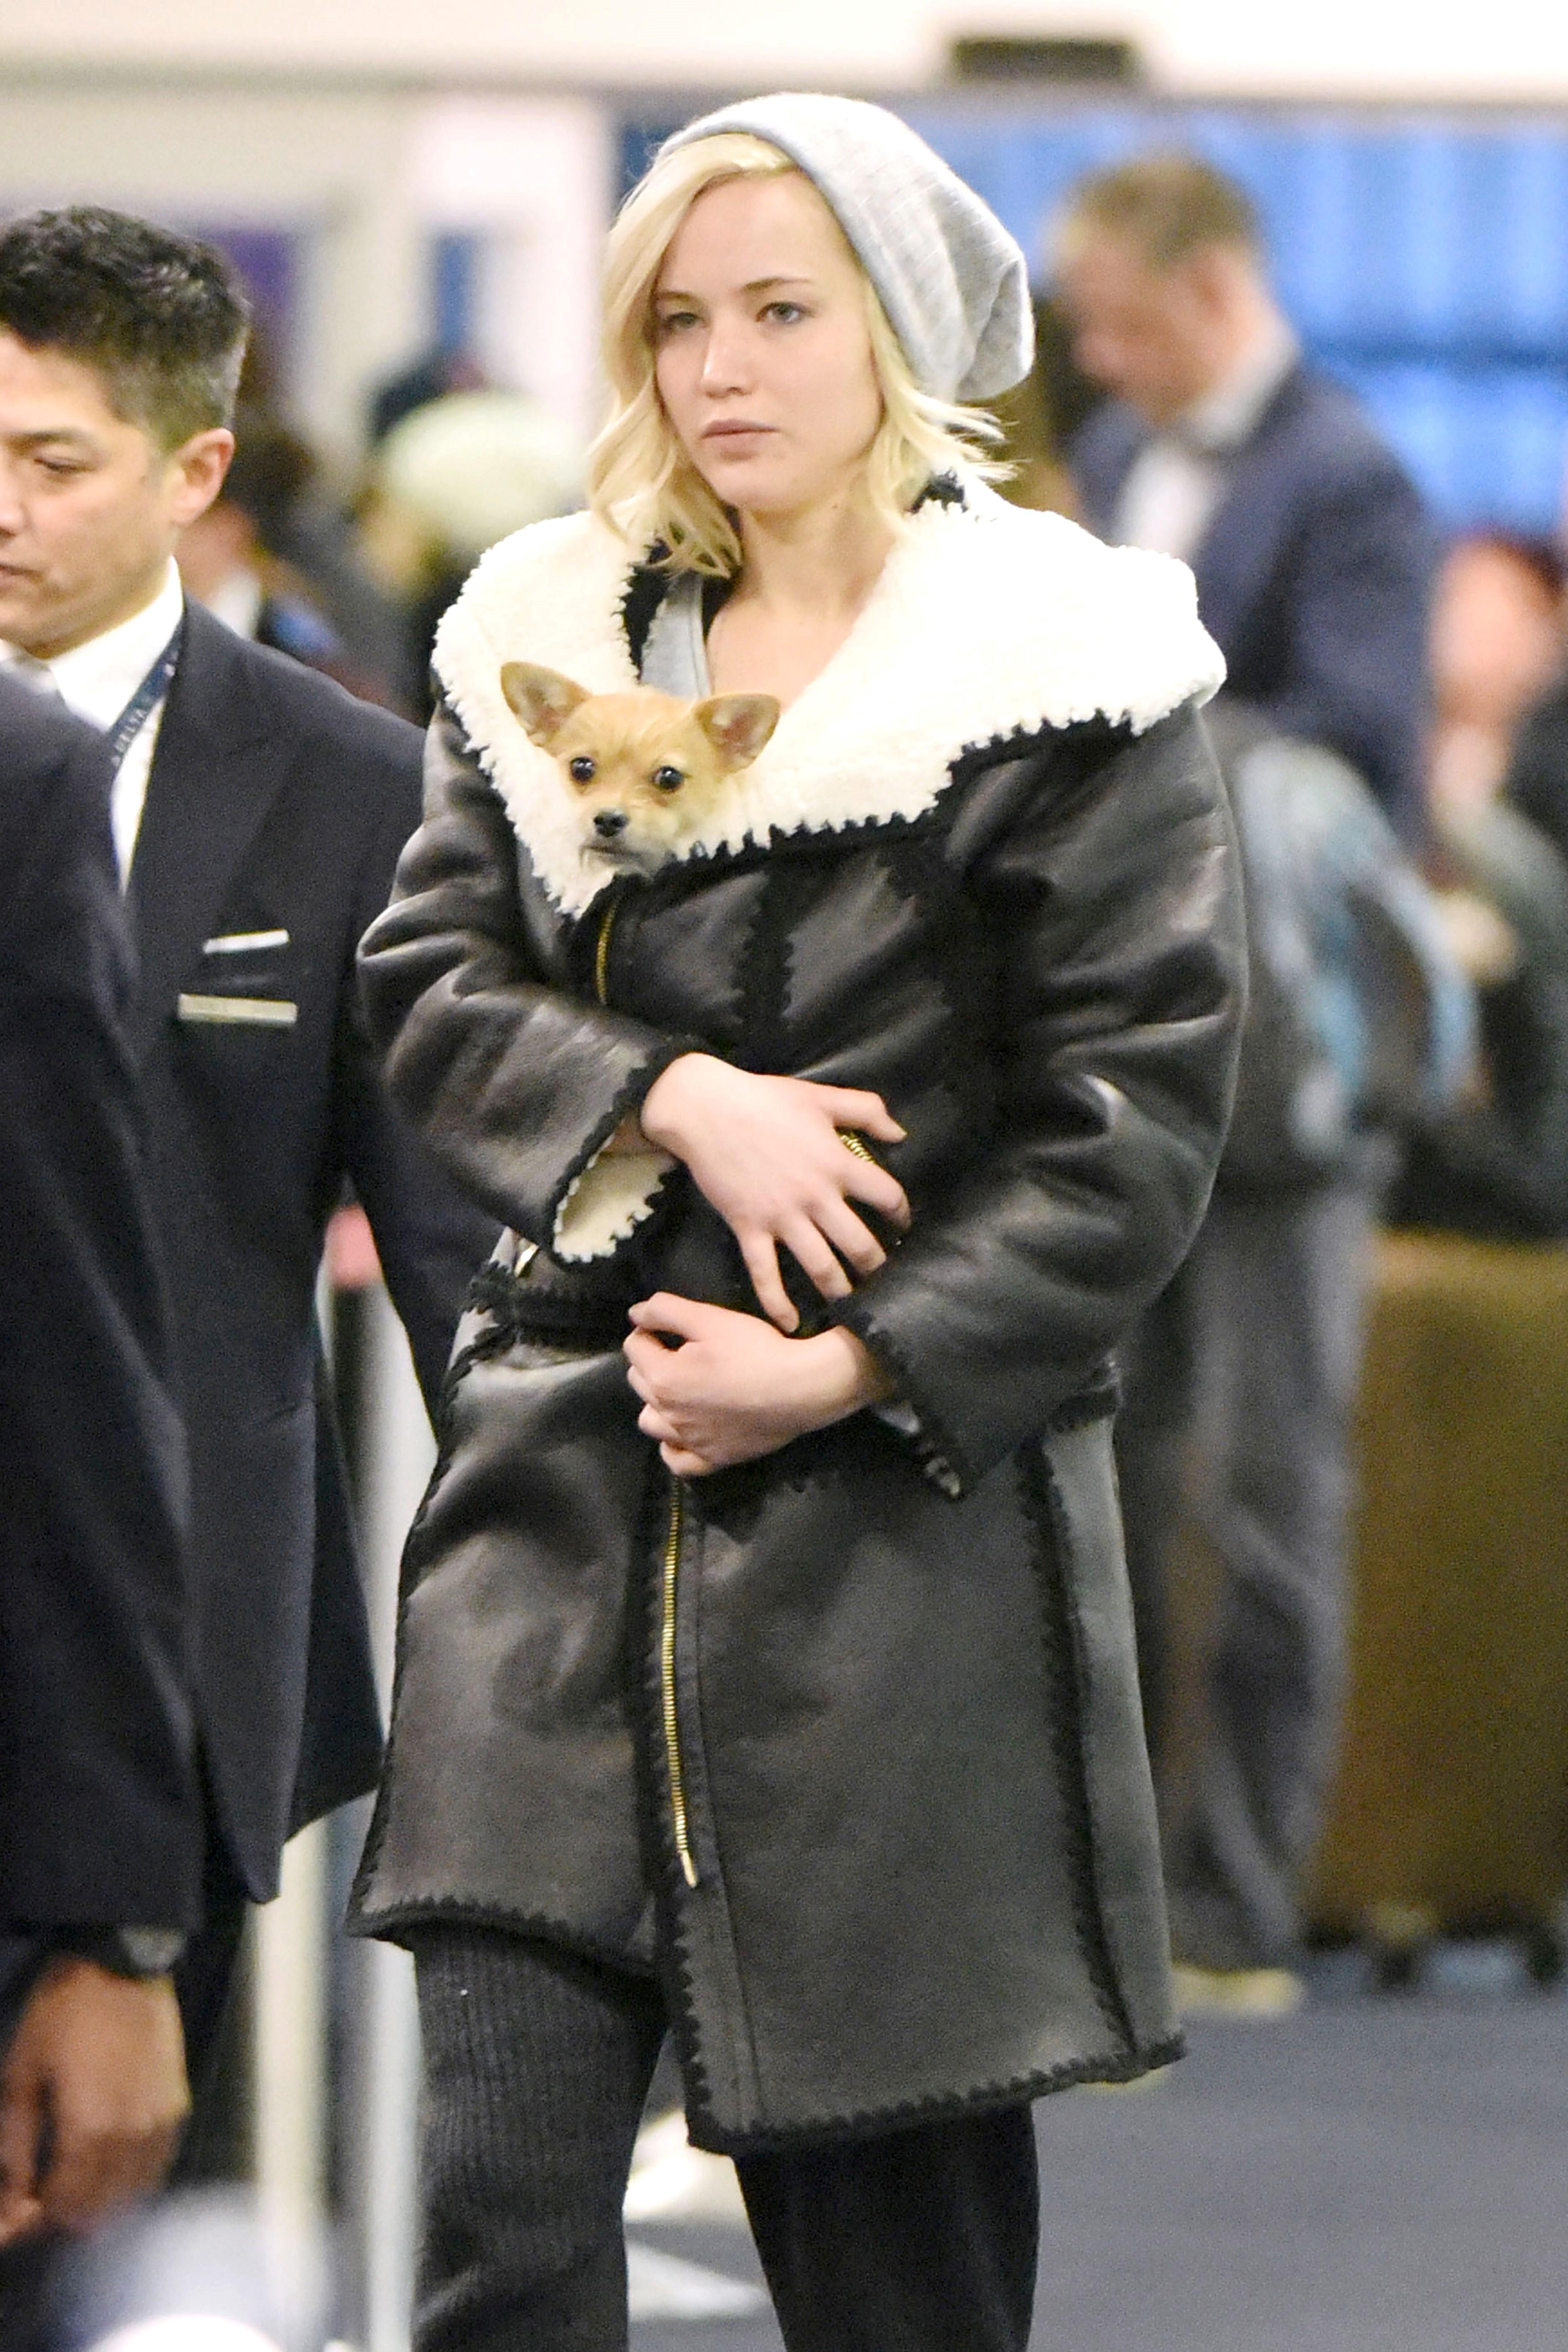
pixel 258 813
pixel 1313 556
pixel 1314 562
pixel 100 1815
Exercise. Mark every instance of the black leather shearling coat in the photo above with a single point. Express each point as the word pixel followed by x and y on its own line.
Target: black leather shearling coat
pixel 845 1742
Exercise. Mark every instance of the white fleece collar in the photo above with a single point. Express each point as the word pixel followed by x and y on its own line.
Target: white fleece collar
pixel 989 622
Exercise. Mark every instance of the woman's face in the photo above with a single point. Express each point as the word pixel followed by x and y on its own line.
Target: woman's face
pixel 763 351
pixel 1497 637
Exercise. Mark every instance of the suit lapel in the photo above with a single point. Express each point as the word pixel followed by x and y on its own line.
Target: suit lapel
pixel 1102 458
pixel 215 774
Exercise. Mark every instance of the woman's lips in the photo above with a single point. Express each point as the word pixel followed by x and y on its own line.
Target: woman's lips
pixel 735 432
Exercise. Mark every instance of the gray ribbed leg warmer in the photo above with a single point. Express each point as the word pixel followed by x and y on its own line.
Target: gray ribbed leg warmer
pixel 536 2066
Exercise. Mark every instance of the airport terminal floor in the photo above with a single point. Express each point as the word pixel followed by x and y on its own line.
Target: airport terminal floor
pixel 1379 2173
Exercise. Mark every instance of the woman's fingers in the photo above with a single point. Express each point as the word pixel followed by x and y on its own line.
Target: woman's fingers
pixel 854 1107
pixel 879 1189
pixel 851 1238
pixel 819 1264
pixel 667 1311
pixel 763 1265
pixel 685 1465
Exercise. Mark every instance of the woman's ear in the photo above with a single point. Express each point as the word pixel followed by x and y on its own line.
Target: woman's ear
pixel 737 725
pixel 541 700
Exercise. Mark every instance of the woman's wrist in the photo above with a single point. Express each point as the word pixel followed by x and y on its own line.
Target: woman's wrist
pixel 661 1118
pixel 846 1376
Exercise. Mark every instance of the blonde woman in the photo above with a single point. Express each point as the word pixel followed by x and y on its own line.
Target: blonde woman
pixel 766 1667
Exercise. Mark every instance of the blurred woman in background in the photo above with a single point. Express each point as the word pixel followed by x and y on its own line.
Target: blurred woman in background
pixel 1497 1164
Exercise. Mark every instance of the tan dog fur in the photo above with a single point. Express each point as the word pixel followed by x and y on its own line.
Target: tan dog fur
pixel 646 769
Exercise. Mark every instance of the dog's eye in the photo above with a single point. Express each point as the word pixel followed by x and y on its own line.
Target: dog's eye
pixel 669 780
pixel 581 770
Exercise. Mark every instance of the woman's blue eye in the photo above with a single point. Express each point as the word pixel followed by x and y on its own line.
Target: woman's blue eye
pixel 786 313
pixel 669 780
pixel 581 770
pixel 674 322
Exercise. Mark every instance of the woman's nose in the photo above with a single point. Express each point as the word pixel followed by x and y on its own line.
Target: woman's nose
pixel 725 367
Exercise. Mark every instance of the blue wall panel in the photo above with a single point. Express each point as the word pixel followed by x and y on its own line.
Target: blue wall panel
pixel 1424 259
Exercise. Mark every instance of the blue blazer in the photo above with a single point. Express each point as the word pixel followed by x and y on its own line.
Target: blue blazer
pixel 1314 575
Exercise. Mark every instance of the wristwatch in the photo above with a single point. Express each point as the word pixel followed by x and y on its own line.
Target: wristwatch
pixel 126 1951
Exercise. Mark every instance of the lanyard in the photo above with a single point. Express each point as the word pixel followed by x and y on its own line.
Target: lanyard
pixel 145 699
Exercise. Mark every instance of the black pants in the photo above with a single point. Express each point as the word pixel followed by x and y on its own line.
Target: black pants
pixel 536 2066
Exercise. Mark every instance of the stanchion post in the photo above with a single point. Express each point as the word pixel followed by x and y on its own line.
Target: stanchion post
pixel 395 1453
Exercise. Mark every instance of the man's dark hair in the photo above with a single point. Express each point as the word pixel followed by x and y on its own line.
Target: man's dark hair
pixel 1169 206
pixel 160 319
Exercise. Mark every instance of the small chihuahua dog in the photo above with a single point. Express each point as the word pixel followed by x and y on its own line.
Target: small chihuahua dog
pixel 645 768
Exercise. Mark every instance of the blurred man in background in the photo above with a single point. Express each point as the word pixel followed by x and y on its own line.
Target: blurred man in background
pixel 1312 552
pixel 100 1815
pixel 1314 562
pixel 258 813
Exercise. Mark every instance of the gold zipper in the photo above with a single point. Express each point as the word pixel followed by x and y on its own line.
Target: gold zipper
pixel 853 1142
pixel 602 955
pixel 671 1713
pixel 671 1552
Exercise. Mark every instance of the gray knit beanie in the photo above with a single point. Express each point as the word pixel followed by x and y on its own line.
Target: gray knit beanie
pixel 954 285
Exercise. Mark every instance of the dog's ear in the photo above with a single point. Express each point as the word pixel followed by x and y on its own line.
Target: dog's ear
pixel 737 725
pixel 542 699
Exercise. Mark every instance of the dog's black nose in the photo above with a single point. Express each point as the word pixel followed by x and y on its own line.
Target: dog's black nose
pixel 609 824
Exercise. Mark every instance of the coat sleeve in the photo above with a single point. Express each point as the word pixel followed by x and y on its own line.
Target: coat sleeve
pixel 1116 890
pixel 515 1082
pixel 430 1236
pixel 100 1816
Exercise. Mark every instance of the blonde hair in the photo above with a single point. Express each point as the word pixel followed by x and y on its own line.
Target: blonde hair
pixel 640 480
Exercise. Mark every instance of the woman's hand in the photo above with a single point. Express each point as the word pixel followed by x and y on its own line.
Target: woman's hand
pixel 734 1388
pixel 767 1154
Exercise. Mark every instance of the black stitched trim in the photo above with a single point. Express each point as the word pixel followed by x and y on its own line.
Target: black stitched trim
pixel 941 490
pixel 634 1092
pixel 766 960
pixel 647 585
pixel 645 589
pixel 935 1447
pixel 1124 2067
pixel 523 1311
pixel 401 1922
pixel 1062 1671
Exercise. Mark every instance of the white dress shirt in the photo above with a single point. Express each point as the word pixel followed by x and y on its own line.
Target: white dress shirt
pixel 1178 477
pixel 98 679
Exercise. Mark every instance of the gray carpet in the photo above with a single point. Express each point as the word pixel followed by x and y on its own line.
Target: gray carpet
pixel 1373 2175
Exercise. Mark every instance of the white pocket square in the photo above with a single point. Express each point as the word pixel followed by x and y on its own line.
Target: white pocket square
pixel 244 942
pixel 261 1011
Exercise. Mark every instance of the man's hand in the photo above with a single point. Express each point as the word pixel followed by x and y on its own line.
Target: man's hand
pixel 767 1154
pixel 92 2097
pixel 735 1388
